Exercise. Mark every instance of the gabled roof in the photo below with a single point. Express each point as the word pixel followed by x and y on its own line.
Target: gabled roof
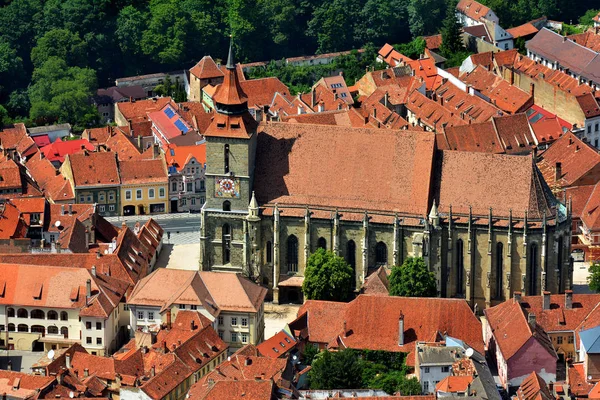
pixel 376 283
pixel 534 388
pixel 23 386
pixel 16 137
pixel 589 39
pixel 137 111
pixel 169 122
pixel 277 345
pixel 526 29
pixel 472 9
pixel 53 185
pixel 589 105
pixel 260 92
pixel 512 331
pixel 467 106
pixel 454 384
pixel 558 317
pixel 590 215
pixel 93 169
pixel 143 171
pixel 58 150
pixel 10 175
pixel 233 292
pixel 12 226
pixel 250 389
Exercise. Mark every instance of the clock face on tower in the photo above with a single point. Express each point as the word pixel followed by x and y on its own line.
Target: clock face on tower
pixel 227 187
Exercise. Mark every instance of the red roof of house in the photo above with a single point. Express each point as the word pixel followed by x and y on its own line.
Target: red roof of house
pixel 250 389
pixel 589 105
pixel 206 68
pixel 53 185
pixel 534 388
pixel 433 42
pixel 579 196
pixel 371 322
pixel 277 345
pixel 590 215
pixel 143 171
pixel 578 383
pixel 59 149
pixel 454 384
pixel 27 205
pixel 548 130
pixel 180 156
pixel 558 317
pixel 137 111
pixel 472 9
pixel 260 92
pixel 511 329
pixel 12 226
pixel 468 107
pixel 10 175
pixel 589 39
pixel 169 122
pixel 41 140
pixel 526 29
pixel 92 169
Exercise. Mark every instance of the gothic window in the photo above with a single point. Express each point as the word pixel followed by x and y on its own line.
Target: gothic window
pixel 226 205
pixel 533 269
pixel 226 241
pixel 499 272
pixel 269 251
pixel 351 259
pixel 381 253
pixel 322 243
pixel 459 266
pixel 226 159
pixel 292 253
pixel 559 263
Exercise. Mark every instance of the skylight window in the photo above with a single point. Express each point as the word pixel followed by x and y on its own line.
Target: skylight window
pixel 181 126
pixel 169 112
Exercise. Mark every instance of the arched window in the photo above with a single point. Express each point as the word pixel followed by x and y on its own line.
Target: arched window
pixel 22 328
pixel 65 332
pixel 64 316
pixel 52 330
pixel 226 205
pixel 559 263
pixel 38 329
pixel 381 253
pixel 269 251
pixel 226 241
pixel 53 315
pixel 37 314
pixel 351 259
pixel 11 327
pixel 292 253
pixel 226 159
pixel 499 269
pixel 151 193
pixel 459 266
pixel 10 312
pixel 322 243
pixel 533 269
pixel 22 313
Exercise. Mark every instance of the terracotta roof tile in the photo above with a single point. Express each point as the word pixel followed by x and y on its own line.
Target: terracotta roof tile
pixel 277 345
pixel 246 389
pixel 533 387
pixel 589 105
pixel 548 130
pixel 526 29
pixel 454 384
pixel 433 42
pixel 589 39
pixel 143 171
pixel 137 111
pixel 260 92
pixel 233 292
pixel 93 169
pixel 467 106
pixel 206 68
pixel 578 384
pixel 10 175
pixel 27 386
pixel 51 182
pixel 12 225
pixel 16 137
pixel 59 149
pixel 579 196
pixel 590 215
pixel 472 9
pixel 376 283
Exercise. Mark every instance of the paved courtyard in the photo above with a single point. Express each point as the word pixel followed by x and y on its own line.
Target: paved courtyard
pixel 580 274
pixel 277 316
pixel 180 256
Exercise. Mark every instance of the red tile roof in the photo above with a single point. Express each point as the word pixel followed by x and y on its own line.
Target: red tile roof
pixel 246 389
pixel 472 9
pixel 527 29
pixel 206 68
pixel 558 318
pixel 548 130
pixel 10 175
pixel 512 331
pixel 534 387
pixel 590 215
pixel 12 225
pixel 285 173
pixel 580 163
pixel 277 345
pixel 371 322
pixel 579 196
pixel 578 383
pixel 589 105
pixel 143 171
pixel 137 111
pixel 433 115
pixel 376 283
pixel 94 169
pixel 28 205
pixel 454 384
pixel 589 39
pixel 23 386
pixel 467 106
pixel 59 149
pixel 260 92
pixel 17 138
pixel 119 142
pixel 433 42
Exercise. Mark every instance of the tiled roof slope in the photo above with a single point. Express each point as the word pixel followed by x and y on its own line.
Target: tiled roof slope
pixel 93 169
pixel 590 215
pixel 137 111
pixel 534 388
pixel 522 30
pixel 52 184
pixel 472 9
pixel 12 225
pixel 233 292
pixel 424 318
pixel 500 181
pixel 580 163
pixel 467 106
pixel 247 390
pixel 143 171
pixel 511 329
pixel 589 39
pixel 206 68
pixel 293 167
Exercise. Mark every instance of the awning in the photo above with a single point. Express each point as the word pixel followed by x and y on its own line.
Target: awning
pixel 290 281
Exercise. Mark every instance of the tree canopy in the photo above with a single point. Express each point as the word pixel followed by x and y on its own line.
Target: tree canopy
pixel 327 277
pixel 593 278
pixel 412 279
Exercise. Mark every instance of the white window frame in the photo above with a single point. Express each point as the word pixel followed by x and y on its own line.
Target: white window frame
pixel 128 195
pixel 233 321
pixel 244 321
pixel 151 193
pixel 140 315
pixel 139 194
pixel 161 192
pixel 150 315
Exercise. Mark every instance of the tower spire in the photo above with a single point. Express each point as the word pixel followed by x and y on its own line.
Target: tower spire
pixel 230 63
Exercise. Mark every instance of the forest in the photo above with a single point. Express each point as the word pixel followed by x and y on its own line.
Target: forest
pixel 54 54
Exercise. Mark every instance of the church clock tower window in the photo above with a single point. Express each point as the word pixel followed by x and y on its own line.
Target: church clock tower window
pixel 226 159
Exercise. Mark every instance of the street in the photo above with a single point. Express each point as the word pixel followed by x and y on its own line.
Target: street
pixel 182 228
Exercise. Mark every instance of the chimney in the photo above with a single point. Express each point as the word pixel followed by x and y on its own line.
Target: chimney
pixel 165 347
pixel 192 327
pixel 313 95
pixel 531 320
pixel 68 361
pixel 517 297
pixel 345 329
pixel 557 171
pixel 374 113
pixel 70 209
pixel 152 371
pixel 401 330
pixel 93 270
pixel 87 239
pixel 168 319
pixel 546 298
pixel 88 290
pixel 86 372
pixel 532 89
pixel 62 209
pixel 568 299
pixel 385 99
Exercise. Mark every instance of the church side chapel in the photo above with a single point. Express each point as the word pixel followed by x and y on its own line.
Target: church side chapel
pixel 487 225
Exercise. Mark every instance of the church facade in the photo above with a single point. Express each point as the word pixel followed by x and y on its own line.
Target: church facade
pixel 487 225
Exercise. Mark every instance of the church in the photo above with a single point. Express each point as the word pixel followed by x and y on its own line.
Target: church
pixel 487 225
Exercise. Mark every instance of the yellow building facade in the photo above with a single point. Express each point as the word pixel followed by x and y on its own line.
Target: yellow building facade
pixel 142 199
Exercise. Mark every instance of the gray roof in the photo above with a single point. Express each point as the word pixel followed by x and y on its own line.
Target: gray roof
pixel 434 355
pixel 578 59
pixel 591 340
pixel 49 128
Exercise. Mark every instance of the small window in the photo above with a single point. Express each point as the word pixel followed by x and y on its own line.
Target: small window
pixel 244 338
pixel 128 195
pixel 426 370
pixel 174 187
pixel 99 341
pixel 193 201
pixel 138 194
pixel 226 205
pixel 233 337
pixel 596 127
pixel 189 187
pixel 111 208
pixel 88 340
pixel 151 193
pixel 111 196
pixel 559 340
pixel 244 321
pixel 182 306
pixel 221 320
pixel 64 316
pixel 140 315
pixel 193 307
pixel 88 325
pixel 221 335
pixel 150 315
pixel 161 192
pixel 570 339
pixel 98 326
pixel 445 369
pixel 233 321
pixel 101 209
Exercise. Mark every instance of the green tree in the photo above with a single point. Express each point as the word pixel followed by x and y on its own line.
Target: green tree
pixel 593 278
pixel 382 21
pixel 333 25
pixel 59 43
pixel 11 68
pixel 310 352
pixel 60 93
pixel 336 370
pixel 130 28
pixel 3 117
pixel 424 16
pixel 451 32
pixel 587 18
pixel 327 277
pixel 412 49
pixel 412 279
pixel 396 381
